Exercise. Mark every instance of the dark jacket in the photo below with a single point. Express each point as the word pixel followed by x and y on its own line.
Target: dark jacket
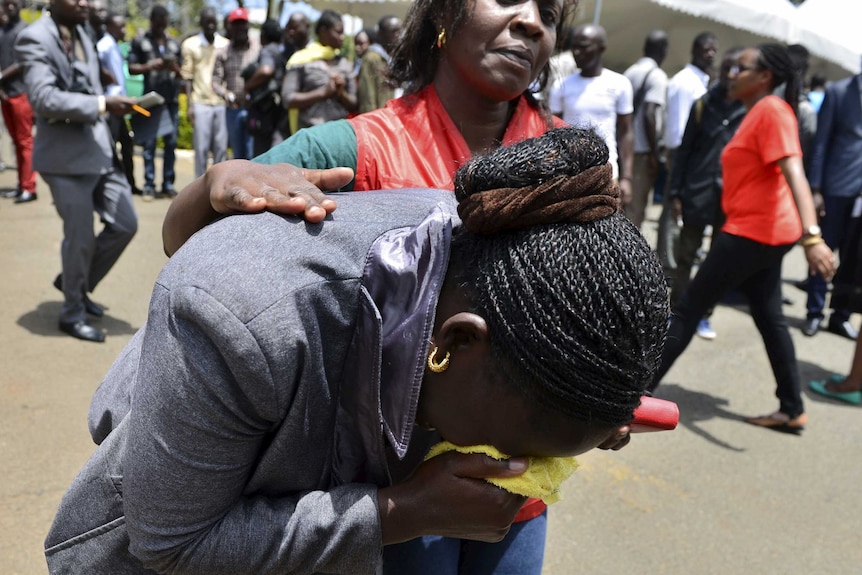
pixel 836 156
pixel 696 177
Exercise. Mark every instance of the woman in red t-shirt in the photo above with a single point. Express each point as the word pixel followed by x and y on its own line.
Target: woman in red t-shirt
pixel 768 206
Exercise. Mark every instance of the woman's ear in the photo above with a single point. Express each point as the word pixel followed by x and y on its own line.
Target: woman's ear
pixel 461 331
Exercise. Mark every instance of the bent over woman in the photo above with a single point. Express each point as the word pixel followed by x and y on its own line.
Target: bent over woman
pixel 273 415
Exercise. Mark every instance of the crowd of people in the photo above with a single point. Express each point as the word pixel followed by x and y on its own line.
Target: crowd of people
pixel 245 94
pixel 462 97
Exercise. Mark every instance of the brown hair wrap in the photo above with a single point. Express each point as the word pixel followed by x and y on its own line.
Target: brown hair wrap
pixel 586 197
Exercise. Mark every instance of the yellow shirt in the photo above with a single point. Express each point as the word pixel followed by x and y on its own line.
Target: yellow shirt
pixel 198 63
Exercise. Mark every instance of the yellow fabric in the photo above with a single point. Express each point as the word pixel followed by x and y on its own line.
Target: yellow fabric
pixel 311 53
pixel 541 480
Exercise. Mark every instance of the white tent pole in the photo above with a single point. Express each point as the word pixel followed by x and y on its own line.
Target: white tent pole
pixel 597 14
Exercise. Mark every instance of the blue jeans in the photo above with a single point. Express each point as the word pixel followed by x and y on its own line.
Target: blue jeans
pixel 835 225
pixel 169 158
pixel 520 553
pixel 239 140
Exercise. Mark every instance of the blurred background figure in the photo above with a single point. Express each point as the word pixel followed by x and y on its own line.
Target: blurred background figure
pixel 158 57
pixel 374 88
pixel 262 91
pixel 206 111
pixel 229 84
pixel 835 172
pixel 17 113
pixel 684 88
pixel 649 83
pixel 361 41
pixel 296 34
pixel 696 181
pixel 111 58
pixel 595 96
pixel 319 85
pixel 817 91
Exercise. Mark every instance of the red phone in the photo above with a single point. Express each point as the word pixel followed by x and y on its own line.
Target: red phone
pixel 655 414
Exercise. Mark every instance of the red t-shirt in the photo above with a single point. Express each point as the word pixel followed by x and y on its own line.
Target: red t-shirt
pixel 756 199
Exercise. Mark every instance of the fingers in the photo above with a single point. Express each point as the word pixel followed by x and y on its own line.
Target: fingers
pixel 242 186
pixel 821 261
pixel 477 466
pixel 619 439
pixel 331 179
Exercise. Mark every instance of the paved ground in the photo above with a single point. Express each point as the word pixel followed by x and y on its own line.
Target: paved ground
pixel 715 496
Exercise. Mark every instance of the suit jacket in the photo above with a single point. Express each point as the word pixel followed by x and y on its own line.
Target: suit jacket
pixel 836 156
pixel 71 137
pixel 293 403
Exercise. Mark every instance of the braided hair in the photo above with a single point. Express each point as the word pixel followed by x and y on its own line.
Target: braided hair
pixel 777 59
pixel 576 303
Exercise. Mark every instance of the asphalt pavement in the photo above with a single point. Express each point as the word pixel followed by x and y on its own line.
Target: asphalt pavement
pixel 715 496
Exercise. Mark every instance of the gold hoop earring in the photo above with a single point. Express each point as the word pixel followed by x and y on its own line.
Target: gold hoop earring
pixel 441 38
pixel 438 367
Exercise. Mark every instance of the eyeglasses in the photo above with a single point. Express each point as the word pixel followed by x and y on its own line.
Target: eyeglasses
pixel 738 69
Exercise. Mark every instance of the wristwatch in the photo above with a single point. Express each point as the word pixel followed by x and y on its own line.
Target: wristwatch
pixel 812 231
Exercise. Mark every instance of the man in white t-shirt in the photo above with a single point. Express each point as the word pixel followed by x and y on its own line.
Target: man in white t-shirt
pixel 598 98
pixel 649 83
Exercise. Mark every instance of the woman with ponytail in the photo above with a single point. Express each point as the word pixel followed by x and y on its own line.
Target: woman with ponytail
pixel 769 208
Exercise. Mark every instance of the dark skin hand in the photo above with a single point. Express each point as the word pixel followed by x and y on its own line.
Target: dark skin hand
pixel 448 496
pixel 819 206
pixel 620 439
pixel 240 186
pixel 119 105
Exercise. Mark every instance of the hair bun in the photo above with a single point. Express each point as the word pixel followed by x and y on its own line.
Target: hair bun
pixel 499 191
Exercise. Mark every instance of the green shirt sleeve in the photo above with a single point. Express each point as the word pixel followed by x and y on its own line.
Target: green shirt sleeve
pixel 328 145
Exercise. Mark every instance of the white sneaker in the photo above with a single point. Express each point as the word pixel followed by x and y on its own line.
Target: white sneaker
pixel 705 331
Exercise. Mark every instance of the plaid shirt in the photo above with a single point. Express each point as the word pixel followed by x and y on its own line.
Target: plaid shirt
pixel 229 64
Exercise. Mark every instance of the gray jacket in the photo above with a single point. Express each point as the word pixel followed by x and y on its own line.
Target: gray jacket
pixel 272 391
pixel 71 137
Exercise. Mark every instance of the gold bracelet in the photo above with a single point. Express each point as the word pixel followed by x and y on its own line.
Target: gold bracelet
pixel 811 241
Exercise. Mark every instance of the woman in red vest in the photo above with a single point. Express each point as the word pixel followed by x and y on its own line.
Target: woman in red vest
pixel 470 72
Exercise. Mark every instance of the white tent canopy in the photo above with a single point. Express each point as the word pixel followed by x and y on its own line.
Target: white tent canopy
pixel 734 22
pixel 830 29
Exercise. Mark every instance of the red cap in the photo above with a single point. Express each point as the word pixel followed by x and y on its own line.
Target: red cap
pixel 237 14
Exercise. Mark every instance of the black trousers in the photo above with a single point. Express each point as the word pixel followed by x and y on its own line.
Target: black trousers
pixel 754 268
pixel 120 131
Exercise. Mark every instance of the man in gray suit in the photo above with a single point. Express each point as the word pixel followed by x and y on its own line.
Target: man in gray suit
pixel 835 174
pixel 74 152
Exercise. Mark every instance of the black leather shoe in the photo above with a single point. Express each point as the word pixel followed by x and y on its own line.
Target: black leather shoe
pixel 26 197
pixel 844 329
pixel 10 194
pixel 82 330
pixel 90 306
pixel 812 326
